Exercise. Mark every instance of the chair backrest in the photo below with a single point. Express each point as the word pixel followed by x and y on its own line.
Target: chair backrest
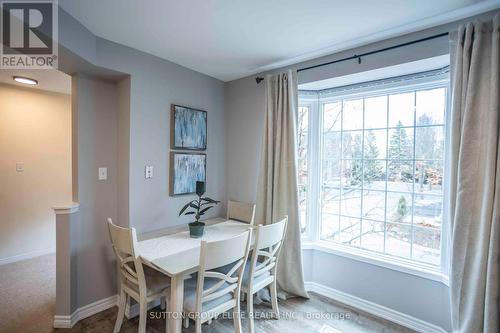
pixel 240 211
pixel 124 241
pixel 268 243
pixel 232 252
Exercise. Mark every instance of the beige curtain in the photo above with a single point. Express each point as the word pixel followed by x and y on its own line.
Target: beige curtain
pixel 475 178
pixel 277 193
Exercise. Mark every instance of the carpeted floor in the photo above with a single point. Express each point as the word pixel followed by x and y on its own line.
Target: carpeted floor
pixel 28 295
pixel 27 302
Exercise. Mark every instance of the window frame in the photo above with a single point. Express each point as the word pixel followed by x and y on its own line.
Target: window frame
pixel 312 237
pixel 309 105
pixel 312 175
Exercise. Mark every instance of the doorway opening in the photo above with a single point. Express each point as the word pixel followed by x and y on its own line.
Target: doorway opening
pixel 35 175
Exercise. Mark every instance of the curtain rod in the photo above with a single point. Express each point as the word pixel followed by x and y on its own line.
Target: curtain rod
pixel 358 56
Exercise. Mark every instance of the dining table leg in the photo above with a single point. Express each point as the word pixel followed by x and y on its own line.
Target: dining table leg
pixel 174 322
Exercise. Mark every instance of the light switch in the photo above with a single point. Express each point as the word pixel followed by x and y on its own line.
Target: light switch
pixel 103 173
pixel 148 172
pixel 19 167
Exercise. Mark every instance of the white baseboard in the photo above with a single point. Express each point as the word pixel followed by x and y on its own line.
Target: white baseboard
pixel 374 309
pixel 62 322
pixel 25 256
pixel 85 312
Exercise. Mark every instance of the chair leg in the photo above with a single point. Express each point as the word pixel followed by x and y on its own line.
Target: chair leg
pixel 197 324
pixel 121 311
pixel 237 318
pixel 250 313
pixel 143 315
pixel 274 300
pixel 163 303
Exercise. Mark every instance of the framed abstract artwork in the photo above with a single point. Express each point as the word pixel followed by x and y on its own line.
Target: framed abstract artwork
pixel 185 170
pixel 188 128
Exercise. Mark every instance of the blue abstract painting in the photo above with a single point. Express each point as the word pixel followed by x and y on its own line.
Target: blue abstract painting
pixel 190 128
pixel 186 170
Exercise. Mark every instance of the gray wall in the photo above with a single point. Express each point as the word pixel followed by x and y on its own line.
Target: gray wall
pixel 244 104
pixel 155 85
pixel 419 297
pixel 121 115
pixel 67 238
pixel 123 153
pixel 94 116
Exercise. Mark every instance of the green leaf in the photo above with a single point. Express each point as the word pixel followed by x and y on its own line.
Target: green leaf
pixel 192 205
pixel 204 210
pixel 207 199
pixel 184 208
pixel 189 213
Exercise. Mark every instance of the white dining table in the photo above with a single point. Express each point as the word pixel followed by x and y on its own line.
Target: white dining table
pixel 178 255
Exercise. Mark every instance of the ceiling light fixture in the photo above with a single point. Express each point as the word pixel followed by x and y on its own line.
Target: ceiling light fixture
pixel 25 80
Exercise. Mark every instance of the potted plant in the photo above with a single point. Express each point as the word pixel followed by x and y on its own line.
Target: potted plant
pixel 198 208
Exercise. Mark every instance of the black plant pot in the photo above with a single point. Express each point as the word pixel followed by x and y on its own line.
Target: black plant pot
pixel 196 229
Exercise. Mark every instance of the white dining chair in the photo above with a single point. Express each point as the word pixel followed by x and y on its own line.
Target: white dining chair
pixel 261 269
pixel 212 293
pixel 241 211
pixel 142 283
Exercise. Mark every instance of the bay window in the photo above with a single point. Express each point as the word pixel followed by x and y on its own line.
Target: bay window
pixel 371 166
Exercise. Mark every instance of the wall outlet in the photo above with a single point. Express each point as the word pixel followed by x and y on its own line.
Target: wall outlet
pixel 19 167
pixel 103 173
pixel 148 172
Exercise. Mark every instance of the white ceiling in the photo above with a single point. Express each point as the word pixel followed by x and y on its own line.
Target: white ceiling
pixel 229 39
pixel 48 79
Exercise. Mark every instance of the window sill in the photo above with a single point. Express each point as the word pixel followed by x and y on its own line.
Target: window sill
pixel 396 264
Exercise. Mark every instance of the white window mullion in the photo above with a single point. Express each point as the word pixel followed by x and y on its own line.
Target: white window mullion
pixel 362 189
pixel 306 102
pixel 314 180
pixel 445 222
pixel 413 198
pixel 386 171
